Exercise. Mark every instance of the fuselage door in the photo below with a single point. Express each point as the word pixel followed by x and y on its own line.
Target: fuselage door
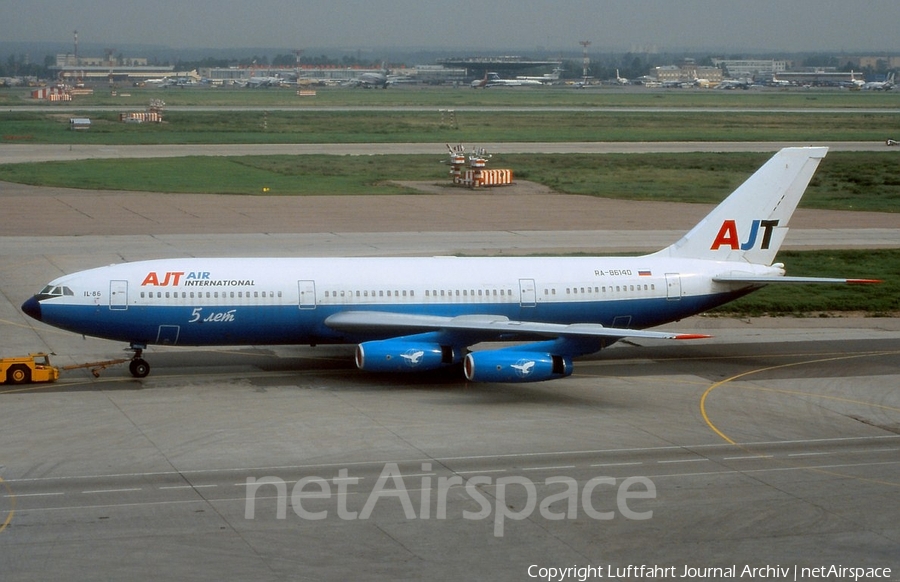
pixel 307 289
pixel 118 295
pixel 673 286
pixel 527 293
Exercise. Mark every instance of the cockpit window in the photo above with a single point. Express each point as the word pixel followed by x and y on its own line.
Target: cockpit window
pixel 56 291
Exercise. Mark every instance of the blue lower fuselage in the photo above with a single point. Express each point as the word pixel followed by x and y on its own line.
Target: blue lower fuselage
pixel 244 324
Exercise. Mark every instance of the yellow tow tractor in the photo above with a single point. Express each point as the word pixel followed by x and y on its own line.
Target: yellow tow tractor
pixel 30 368
pixel 37 368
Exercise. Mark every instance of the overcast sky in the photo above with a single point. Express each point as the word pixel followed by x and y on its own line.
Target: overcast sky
pixel 463 25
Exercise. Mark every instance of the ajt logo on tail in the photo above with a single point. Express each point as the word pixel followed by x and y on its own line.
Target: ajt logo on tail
pixel 728 235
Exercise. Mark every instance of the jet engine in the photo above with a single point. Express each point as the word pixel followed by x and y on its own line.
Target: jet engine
pixel 402 356
pixel 515 366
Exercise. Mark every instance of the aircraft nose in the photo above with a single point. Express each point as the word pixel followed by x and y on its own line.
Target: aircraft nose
pixel 32 308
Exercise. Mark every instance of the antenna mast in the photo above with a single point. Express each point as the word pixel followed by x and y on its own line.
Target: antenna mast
pixel 585 59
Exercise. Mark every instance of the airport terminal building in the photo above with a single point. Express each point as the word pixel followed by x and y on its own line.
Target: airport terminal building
pixel 74 69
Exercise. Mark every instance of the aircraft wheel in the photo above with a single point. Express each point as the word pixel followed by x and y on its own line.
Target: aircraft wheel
pixel 139 368
pixel 18 375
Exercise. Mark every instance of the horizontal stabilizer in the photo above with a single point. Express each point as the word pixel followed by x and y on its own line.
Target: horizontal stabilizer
pixel 802 280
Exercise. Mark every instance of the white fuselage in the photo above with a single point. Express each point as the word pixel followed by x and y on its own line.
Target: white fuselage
pixel 271 301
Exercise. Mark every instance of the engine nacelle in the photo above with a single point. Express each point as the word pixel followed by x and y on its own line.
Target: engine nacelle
pixel 513 366
pixel 402 356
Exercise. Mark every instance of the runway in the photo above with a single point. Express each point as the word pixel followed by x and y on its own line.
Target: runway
pixel 775 442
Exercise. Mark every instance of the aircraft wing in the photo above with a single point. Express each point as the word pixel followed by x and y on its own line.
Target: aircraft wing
pixel 485 326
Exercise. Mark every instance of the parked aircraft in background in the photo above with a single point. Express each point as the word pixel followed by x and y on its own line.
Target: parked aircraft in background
pixel 547 79
pixel 854 82
pixel 620 79
pixel 415 314
pixel 480 83
pixel 259 82
pixel 494 80
pixel 885 85
pixel 170 82
pixel 648 81
pixel 379 79
pixel 735 84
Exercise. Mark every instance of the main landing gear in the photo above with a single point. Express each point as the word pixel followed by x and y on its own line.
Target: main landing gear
pixel 138 366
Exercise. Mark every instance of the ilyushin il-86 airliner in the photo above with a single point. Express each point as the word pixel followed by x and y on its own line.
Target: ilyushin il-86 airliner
pixel 415 314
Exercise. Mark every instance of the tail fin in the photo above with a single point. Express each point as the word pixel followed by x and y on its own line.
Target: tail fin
pixel 750 225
